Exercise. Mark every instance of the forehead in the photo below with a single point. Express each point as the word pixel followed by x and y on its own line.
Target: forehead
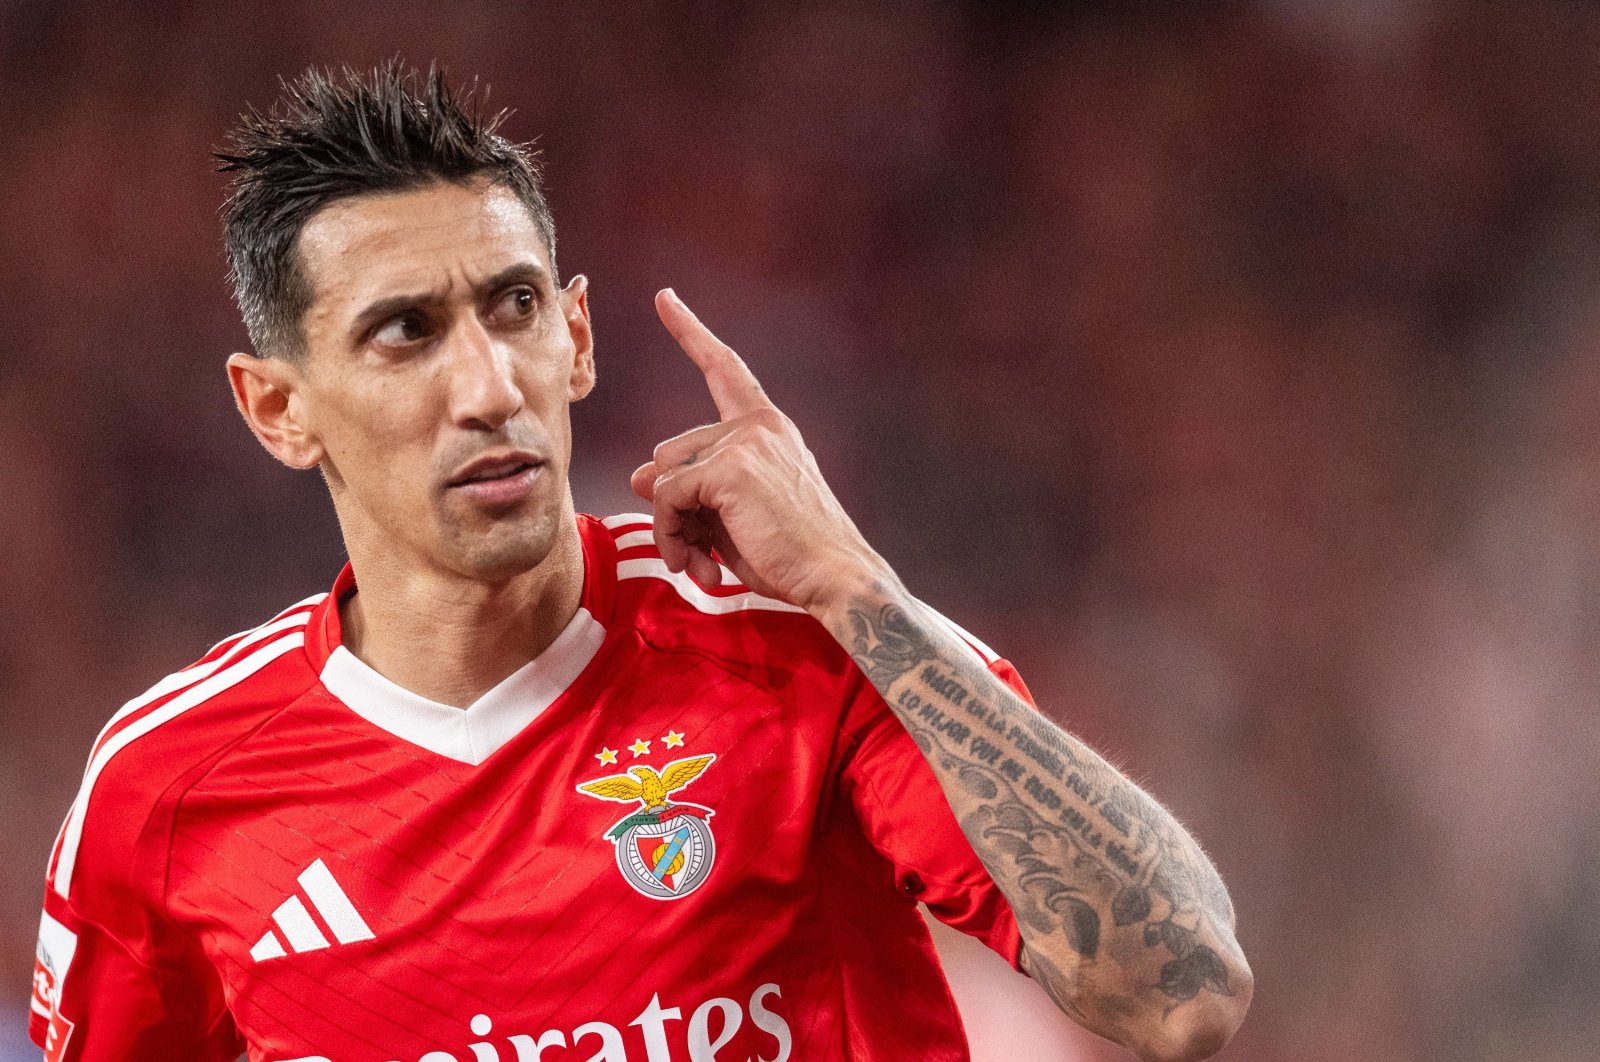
pixel 417 241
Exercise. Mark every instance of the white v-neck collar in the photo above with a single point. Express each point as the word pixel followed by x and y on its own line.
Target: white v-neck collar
pixel 470 734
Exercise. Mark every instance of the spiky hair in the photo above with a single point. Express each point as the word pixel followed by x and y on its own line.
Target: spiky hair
pixel 336 135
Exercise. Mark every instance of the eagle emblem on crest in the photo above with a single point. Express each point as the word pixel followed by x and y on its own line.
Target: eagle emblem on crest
pixel 665 849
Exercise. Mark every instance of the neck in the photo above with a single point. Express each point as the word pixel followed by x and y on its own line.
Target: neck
pixel 451 638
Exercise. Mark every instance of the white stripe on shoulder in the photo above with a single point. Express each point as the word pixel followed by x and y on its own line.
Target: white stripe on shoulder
pixel 202 691
pixel 197 672
pixel 636 538
pixel 690 591
pixel 987 655
pixel 624 519
pixel 314 599
pixel 189 676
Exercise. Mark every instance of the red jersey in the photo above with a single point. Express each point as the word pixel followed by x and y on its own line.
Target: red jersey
pixel 690 830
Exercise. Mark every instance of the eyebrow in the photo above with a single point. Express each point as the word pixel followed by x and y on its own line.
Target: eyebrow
pixel 521 272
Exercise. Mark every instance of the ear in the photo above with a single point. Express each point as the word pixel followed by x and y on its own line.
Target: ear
pixel 575 307
pixel 265 390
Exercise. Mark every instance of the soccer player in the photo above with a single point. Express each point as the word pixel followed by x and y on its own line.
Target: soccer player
pixel 526 784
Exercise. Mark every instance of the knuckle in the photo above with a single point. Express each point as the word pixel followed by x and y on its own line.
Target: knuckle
pixel 760 421
pixel 667 487
pixel 680 448
pixel 744 438
pixel 773 420
pixel 666 451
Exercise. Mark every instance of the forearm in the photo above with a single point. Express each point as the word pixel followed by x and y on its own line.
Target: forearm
pixel 1124 920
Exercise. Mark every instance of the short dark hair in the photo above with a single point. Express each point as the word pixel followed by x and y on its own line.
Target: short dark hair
pixel 337 135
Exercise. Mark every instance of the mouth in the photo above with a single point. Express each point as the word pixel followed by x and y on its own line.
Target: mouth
pixel 489 473
pixel 497 479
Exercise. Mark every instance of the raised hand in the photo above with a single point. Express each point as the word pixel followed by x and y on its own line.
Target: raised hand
pixel 1124 921
pixel 746 487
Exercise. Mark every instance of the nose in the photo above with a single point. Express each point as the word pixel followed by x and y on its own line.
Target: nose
pixel 484 393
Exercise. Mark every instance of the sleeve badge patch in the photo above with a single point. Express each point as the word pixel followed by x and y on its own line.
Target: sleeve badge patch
pixel 57 944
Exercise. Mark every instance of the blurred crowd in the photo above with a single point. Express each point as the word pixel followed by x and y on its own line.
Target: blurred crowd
pixel 1226 366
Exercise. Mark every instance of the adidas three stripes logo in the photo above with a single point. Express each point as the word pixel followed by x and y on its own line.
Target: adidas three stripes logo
pixel 300 930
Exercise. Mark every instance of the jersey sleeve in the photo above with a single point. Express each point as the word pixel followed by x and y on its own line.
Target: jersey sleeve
pixel 113 978
pixel 905 816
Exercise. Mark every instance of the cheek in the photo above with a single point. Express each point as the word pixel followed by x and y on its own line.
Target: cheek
pixel 383 430
pixel 547 382
pixel 549 398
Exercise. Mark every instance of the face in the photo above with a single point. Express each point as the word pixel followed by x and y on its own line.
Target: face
pixel 440 365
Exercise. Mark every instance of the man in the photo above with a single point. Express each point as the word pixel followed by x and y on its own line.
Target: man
pixel 527 784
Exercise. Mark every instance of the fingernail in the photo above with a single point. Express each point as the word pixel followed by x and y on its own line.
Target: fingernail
pixel 673 295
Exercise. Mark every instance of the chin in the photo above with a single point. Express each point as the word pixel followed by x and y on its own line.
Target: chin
pixel 505 552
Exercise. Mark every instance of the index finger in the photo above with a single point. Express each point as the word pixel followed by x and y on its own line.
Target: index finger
pixel 733 387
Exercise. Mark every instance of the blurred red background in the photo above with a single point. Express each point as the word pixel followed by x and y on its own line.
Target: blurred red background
pixel 1228 370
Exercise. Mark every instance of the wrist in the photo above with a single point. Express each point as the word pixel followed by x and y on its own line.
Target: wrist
pixel 848 582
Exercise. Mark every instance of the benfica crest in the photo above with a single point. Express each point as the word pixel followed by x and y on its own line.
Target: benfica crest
pixel 664 849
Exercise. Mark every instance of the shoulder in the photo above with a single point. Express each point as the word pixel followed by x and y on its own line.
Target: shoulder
pixel 173 728
pixel 645 585
pixel 671 608
pixel 633 536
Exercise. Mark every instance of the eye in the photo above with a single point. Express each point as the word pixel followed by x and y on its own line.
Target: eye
pixel 515 305
pixel 402 331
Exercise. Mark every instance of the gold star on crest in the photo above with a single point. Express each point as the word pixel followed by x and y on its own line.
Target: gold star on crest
pixel 606 756
pixel 673 739
pixel 639 747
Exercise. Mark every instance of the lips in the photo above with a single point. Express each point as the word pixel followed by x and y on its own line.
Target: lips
pixel 500 471
pixel 493 467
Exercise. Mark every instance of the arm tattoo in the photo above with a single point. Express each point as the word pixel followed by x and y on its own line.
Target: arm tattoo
pixel 1087 860
pixel 888 644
